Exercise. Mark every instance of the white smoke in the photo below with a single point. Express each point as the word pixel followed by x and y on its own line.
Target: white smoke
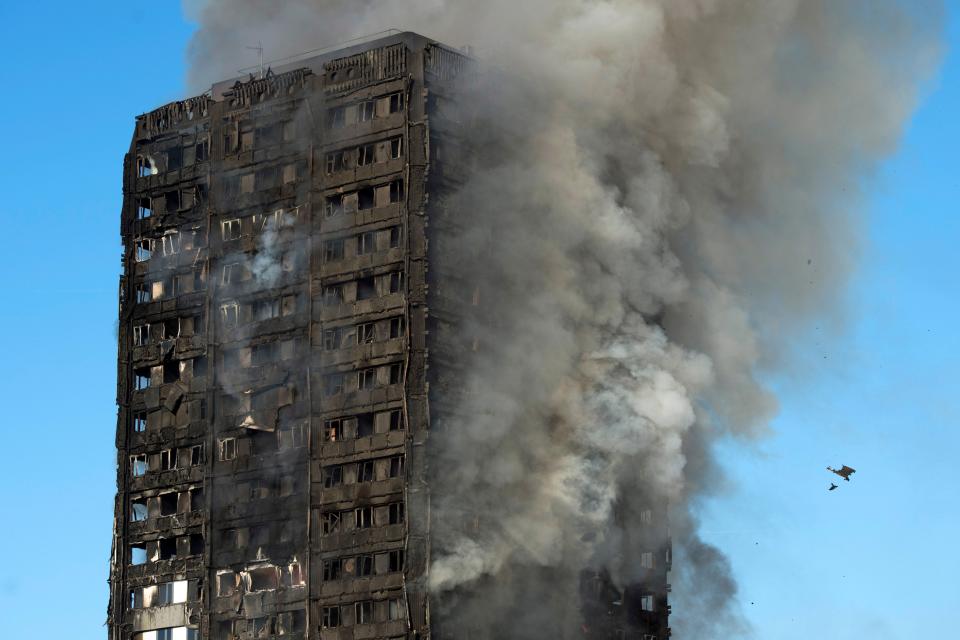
pixel 664 193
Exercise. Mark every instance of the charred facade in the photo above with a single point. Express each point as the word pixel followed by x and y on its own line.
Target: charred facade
pixel 276 316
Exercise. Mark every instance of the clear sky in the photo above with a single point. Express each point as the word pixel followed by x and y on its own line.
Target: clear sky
pixel 876 559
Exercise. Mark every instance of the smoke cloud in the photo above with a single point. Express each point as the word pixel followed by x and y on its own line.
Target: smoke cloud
pixel 663 195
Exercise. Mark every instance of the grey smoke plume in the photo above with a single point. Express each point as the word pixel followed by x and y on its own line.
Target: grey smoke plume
pixel 665 192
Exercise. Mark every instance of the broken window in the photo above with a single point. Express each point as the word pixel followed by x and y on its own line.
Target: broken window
pixel 332 569
pixel 333 430
pixel 396 373
pixel 366 288
pixel 172 200
pixel 138 465
pixel 363 517
pixel 366 243
pixel 396 148
pixel 396 513
pixel 138 554
pixel 366 198
pixel 144 210
pixel 231 273
pixel 230 229
pixel 330 617
pixel 396 102
pixel 333 476
pixel 263 579
pixel 138 511
pixel 396 191
pixel 171 372
pixel 365 425
pixel 396 420
pixel 336 161
pixel 330 522
pixel 174 158
pixel 228 448
pixel 397 560
pixel 196 499
pixel 364 566
pixel 333 250
pixel 336 117
pixel 226 583
pixel 396 466
pixel 333 384
pixel 171 328
pixel 140 422
pixel 229 313
pixel 332 338
pixel 196 544
pixel 144 249
pixel 365 155
pixel 334 205
pixel 366 110
pixel 366 379
pixel 363 612
pixel 333 295
pixel 365 471
pixel 366 332
pixel 168 548
pixel 141 335
pixel 168 504
pixel 141 379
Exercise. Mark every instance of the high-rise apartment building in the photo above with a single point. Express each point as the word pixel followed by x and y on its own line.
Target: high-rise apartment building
pixel 273 388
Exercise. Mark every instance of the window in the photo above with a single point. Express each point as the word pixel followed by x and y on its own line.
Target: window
pixel 366 379
pixel 141 335
pixel 266 309
pixel 262 354
pixel 231 273
pixel 144 210
pixel 138 554
pixel 333 384
pixel 366 110
pixel 230 229
pixel 365 155
pixel 396 148
pixel 138 465
pixel 396 420
pixel 144 293
pixel 145 167
pixel 366 198
pixel 363 612
pixel 333 430
pixel 398 327
pixel 336 161
pixel 263 579
pixel 168 548
pixel 396 373
pixel 332 569
pixel 363 517
pixel 396 513
pixel 196 499
pixel 138 511
pixel 366 243
pixel 226 583
pixel 289 173
pixel 196 455
pixel 396 282
pixel 646 516
pixel 229 313
pixel 333 476
pixel 144 249
pixel 172 200
pixel 365 471
pixel 141 379
pixel 330 522
pixel 364 425
pixel 333 250
pixel 395 236
pixel 366 288
pixel 366 333
pixel 364 566
pixel 396 102
pixel 396 466
pixel 395 609
pixel 330 617
pixel 646 603
pixel 168 459
pixel 397 560
pixel 336 117
pixel 331 339
pixel 333 295
pixel 228 448
pixel 396 191
pixel 140 422
pixel 334 205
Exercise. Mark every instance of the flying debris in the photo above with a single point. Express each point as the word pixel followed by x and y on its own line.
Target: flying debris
pixel 844 472
pixel 832 487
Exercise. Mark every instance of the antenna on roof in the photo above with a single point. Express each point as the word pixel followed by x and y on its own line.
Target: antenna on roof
pixel 259 49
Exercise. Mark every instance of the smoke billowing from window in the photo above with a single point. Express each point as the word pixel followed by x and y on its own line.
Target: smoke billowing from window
pixel 664 193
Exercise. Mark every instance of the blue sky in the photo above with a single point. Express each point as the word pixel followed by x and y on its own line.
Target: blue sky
pixel 876 559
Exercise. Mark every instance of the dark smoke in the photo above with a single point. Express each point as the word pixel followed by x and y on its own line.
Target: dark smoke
pixel 653 180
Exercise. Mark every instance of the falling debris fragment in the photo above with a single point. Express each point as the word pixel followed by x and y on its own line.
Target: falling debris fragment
pixel 832 487
pixel 844 472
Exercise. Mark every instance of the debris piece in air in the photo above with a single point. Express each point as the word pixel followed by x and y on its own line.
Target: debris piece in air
pixel 832 487
pixel 844 472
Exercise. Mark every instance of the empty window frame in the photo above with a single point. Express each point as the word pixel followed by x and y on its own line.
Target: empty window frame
pixel 228 448
pixel 264 579
pixel 646 603
pixel 396 236
pixel 336 161
pixel 396 373
pixel 138 554
pixel 143 249
pixel 333 476
pixel 141 335
pixel 363 517
pixel 144 210
pixel 138 465
pixel 266 309
pixel 396 148
pixel 144 293
pixel 396 513
pixel 366 288
pixel 138 510
pixel 366 155
pixel 334 205
pixel 168 459
pixel 397 192
pixel 366 198
pixel 229 314
pixel 230 229
pixel 330 617
pixel 397 560
pixel 366 332
pixel 140 422
pixel 330 522
pixel 333 295
pixel 363 566
pixel 396 420
pixel 395 609
pixel 333 384
pixel 365 471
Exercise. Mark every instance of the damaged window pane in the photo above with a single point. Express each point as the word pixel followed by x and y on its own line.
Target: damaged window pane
pixel 138 465
pixel 230 229
pixel 334 206
pixel 396 466
pixel 366 333
pixel 336 117
pixel 144 249
pixel 138 511
pixel 396 373
pixel 144 210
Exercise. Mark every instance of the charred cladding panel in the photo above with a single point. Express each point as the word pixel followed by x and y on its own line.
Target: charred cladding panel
pixel 273 376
